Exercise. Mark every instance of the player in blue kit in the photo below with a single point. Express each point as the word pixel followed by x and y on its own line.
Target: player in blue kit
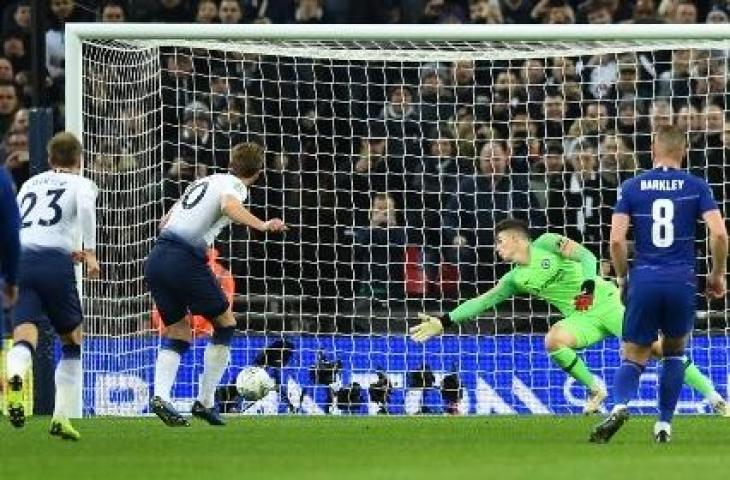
pixel 56 208
pixel 181 282
pixel 9 245
pixel 663 206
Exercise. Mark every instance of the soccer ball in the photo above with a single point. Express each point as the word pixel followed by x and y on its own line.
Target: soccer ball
pixel 253 383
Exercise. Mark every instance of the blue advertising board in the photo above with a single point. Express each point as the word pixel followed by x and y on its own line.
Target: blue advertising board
pixel 509 374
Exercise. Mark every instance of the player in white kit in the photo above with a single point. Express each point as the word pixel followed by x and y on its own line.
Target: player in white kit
pixel 181 282
pixel 56 207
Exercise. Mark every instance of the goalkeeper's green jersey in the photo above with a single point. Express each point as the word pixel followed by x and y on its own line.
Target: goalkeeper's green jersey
pixel 549 276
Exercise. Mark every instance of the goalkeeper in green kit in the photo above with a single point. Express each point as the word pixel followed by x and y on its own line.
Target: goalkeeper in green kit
pixel 563 273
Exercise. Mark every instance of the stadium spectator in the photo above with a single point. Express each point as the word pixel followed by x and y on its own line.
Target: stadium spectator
pixel 581 200
pixel 7 74
pixel 463 81
pixel 379 251
pixel 173 11
pixel 177 88
pixel 644 11
pixel 616 162
pixel 532 77
pixel 17 18
pixel 559 12
pixel 462 128
pixel 430 188
pixel 62 11
pixel 549 164
pixel 309 11
pixel 16 50
pixel 507 92
pixel 686 118
pixel 717 15
pixel 589 127
pixel 15 150
pixel 235 123
pixel 9 104
pixel 112 11
pixel 660 113
pixel 685 12
pixel 597 12
pixel 20 121
pixel 555 115
pixel 524 144
pixel 516 11
pixel 401 121
pixel 207 11
pixel 485 11
pixel 675 83
pixel 436 100
pixel 479 203
pixel 230 11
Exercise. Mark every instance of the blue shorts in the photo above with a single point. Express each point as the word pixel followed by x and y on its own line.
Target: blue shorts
pixel 653 307
pixel 47 284
pixel 180 281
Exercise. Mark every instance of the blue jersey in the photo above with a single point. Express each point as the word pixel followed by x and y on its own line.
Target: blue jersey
pixel 664 205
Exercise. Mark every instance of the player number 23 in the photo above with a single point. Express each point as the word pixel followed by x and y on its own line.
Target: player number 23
pixel 662 230
pixel 28 203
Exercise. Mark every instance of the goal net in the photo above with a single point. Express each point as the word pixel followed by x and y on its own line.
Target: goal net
pixel 391 161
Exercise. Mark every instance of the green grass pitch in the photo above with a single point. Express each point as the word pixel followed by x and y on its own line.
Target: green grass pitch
pixel 398 448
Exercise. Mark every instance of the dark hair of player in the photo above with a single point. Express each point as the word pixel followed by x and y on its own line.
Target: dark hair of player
pixel 64 150
pixel 513 224
pixel 247 160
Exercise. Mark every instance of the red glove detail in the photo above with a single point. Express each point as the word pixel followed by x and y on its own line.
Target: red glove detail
pixel 583 301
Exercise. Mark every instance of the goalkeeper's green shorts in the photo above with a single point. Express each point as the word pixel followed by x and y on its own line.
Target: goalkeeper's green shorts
pixel 603 319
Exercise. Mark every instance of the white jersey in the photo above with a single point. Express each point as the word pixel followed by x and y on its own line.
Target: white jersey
pixel 55 208
pixel 197 218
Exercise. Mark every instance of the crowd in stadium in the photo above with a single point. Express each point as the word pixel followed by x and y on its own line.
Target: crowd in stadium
pixel 369 159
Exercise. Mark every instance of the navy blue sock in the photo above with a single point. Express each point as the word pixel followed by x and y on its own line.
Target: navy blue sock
pixel 179 346
pixel 626 381
pixel 222 335
pixel 671 379
pixel 71 352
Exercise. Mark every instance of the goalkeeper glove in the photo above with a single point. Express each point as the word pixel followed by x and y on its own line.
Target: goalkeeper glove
pixel 584 300
pixel 429 327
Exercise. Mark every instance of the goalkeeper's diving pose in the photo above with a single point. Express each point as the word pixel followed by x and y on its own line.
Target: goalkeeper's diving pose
pixel 563 273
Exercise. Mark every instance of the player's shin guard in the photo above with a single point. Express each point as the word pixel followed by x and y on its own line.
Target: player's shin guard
pixel 68 372
pixel 573 365
pixel 671 378
pixel 19 359
pixel 215 361
pixel 626 381
pixel 168 362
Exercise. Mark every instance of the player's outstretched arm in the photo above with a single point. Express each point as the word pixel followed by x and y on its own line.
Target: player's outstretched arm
pixel 431 326
pixel 231 207
pixel 578 253
pixel 716 284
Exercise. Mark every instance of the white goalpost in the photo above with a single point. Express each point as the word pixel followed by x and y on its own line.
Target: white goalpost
pixel 392 151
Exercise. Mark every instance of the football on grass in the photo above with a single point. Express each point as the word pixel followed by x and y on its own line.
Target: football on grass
pixel 253 383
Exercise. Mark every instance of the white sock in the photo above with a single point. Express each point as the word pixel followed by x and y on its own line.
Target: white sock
pixel 617 407
pixel 67 377
pixel 215 361
pixel 166 367
pixel 662 426
pixel 19 360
